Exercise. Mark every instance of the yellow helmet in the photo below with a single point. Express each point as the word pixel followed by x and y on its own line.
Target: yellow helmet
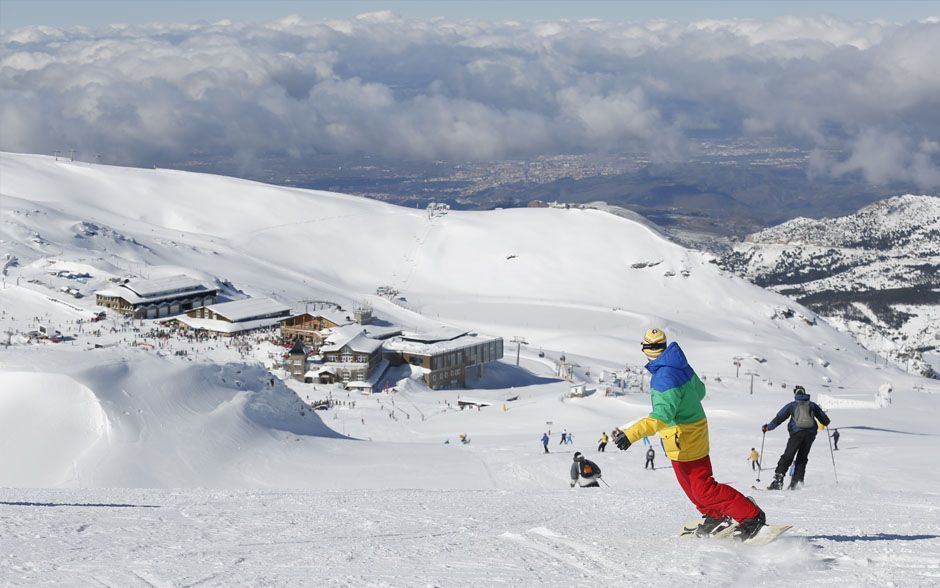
pixel 654 343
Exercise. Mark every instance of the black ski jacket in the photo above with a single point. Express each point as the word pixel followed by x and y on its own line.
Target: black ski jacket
pixel 789 412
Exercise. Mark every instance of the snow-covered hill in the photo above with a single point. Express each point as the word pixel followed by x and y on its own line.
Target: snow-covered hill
pixel 875 273
pixel 378 479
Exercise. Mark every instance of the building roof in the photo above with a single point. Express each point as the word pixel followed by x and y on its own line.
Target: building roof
pixel 250 309
pixel 298 347
pixel 435 335
pixel 146 291
pixel 353 337
pixel 401 344
pixel 225 327
pixel 382 332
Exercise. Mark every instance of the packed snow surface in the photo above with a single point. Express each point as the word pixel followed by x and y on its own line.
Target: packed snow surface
pixel 131 459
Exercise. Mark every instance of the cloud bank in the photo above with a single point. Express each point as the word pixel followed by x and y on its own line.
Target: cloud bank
pixel 443 89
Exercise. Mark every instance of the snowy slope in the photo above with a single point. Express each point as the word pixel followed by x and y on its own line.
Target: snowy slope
pixel 374 486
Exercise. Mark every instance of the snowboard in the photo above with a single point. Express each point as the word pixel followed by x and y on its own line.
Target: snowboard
pixel 767 534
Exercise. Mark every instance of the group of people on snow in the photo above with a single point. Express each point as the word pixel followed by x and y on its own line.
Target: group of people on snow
pixel 678 417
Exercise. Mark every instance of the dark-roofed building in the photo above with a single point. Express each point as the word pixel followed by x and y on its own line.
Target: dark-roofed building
pixel 157 298
pixel 297 360
pixel 445 354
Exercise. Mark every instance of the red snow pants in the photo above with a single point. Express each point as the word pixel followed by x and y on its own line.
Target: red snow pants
pixel 709 497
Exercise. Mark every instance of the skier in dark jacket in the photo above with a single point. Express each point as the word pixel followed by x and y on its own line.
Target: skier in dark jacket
pixel 803 415
pixel 650 456
pixel 545 442
pixel 835 439
pixel 584 472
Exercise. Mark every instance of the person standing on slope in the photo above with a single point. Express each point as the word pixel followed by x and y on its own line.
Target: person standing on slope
pixel 545 442
pixel 602 442
pixel 803 415
pixel 676 393
pixel 650 456
pixel 835 439
pixel 584 472
pixel 755 459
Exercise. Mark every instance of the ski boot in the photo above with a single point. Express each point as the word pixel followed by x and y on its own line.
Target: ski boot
pixel 712 526
pixel 777 484
pixel 749 527
pixel 795 484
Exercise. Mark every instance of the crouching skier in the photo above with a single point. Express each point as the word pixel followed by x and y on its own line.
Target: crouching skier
pixel 676 393
pixel 584 472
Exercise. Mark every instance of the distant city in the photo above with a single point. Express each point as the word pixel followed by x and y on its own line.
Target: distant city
pixel 725 189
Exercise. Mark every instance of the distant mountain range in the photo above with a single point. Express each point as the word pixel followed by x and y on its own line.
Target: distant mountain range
pixel 875 273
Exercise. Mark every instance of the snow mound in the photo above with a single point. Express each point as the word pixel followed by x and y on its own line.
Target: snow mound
pixel 49 423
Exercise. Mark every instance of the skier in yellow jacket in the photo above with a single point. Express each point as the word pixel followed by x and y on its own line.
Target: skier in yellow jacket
pixel 676 393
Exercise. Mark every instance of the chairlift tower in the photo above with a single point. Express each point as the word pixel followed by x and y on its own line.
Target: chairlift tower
pixel 752 374
pixel 519 341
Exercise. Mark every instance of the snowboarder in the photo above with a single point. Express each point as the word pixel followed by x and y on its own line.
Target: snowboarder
pixel 545 442
pixel 803 415
pixel 584 472
pixel 676 393
pixel 755 459
pixel 835 439
pixel 602 442
pixel 650 456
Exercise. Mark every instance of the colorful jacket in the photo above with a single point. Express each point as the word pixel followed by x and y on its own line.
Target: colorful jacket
pixel 677 415
pixel 789 411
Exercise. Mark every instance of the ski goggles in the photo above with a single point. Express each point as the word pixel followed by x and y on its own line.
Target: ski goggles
pixel 653 346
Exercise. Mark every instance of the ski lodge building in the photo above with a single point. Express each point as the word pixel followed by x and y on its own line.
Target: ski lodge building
pixel 351 357
pixel 445 355
pixel 311 328
pixel 238 316
pixel 157 298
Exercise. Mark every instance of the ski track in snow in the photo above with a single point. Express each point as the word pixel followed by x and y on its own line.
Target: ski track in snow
pixel 437 538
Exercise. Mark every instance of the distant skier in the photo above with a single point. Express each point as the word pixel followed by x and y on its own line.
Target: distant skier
pixel 602 442
pixel 755 459
pixel 584 472
pixel 835 439
pixel 564 437
pixel 545 442
pixel 803 415
pixel 650 456
pixel 676 393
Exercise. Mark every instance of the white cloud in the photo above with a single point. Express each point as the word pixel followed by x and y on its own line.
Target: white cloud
pixel 428 89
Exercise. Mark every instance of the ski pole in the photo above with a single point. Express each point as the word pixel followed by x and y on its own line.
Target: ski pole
pixel 760 458
pixel 604 481
pixel 833 455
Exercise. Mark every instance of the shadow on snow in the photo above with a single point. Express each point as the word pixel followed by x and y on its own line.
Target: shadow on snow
pixel 500 375
pixel 875 537
pixel 79 504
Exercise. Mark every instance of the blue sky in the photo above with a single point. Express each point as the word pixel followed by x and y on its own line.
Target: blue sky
pixel 64 13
